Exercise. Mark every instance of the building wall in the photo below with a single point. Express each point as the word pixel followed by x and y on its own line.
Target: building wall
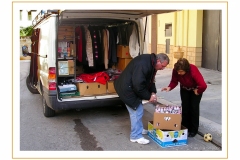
pixel 186 35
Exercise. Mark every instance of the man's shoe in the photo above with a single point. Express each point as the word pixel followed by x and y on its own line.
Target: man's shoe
pixel 191 134
pixel 140 140
pixel 144 131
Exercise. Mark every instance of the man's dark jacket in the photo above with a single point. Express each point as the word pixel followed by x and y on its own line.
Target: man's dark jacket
pixel 136 82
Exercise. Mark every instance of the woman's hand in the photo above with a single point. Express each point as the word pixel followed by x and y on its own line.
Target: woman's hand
pixel 195 91
pixel 166 89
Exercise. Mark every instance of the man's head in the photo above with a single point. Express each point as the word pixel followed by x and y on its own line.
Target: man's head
pixel 162 61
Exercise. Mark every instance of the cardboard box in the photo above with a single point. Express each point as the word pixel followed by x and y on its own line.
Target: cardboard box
pixel 123 51
pixel 165 138
pixel 110 87
pixel 122 63
pixel 90 89
pixel 73 49
pixel 167 121
pixel 71 66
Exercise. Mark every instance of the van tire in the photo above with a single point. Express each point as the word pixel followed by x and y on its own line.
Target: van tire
pixel 123 105
pixel 30 87
pixel 47 111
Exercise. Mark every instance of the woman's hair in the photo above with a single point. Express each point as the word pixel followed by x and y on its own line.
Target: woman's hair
pixel 182 64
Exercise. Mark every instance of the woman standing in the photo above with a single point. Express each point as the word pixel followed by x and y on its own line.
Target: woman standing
pixel 192 86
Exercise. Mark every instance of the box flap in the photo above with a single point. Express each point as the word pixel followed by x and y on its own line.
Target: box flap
pixel 166 121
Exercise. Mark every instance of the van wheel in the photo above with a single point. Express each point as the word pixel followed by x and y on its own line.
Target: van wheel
pixel 123 105
pixel 47 111
pixel 31 87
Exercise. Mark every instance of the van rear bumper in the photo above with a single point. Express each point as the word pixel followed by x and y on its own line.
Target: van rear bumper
pixel 53 103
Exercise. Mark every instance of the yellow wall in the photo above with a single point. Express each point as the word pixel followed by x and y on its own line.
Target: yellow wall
pixel 162 20
pixel 195 28
pixel 186 34
pixel 186 28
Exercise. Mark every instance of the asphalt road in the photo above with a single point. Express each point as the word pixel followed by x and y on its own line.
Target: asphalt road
pixel 95 129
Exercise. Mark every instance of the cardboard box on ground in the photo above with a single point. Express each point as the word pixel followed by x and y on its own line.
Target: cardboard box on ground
pixel 166 129
pixel 167 138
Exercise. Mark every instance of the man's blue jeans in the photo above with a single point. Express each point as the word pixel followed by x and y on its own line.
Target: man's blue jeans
pixel 136 122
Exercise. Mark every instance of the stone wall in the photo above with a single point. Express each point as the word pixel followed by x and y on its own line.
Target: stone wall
pixel 192 54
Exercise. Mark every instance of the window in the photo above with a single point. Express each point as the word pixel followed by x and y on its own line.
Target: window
pixel 20 15
pixel 168 29
pixel 30 15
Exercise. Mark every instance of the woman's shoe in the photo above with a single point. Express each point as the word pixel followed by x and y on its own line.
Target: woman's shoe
pixel 191 134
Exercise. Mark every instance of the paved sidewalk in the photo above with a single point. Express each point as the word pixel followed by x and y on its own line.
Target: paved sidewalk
pixel 210 106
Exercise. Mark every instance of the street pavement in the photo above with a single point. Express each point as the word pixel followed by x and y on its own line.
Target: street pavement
pixel 211 111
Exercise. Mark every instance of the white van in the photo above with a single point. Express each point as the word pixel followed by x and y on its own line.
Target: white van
pixel 76 54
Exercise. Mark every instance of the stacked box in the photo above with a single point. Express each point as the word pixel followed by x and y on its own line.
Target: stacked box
pixel 122 63
pixel 110 87
pixel 168 138
pixel 166 129
pixel 123 51
pixel 167 117
pixel 124 57
pixel 167 121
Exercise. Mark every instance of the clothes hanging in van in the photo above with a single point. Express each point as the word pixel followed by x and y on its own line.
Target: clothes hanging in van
pixel 124 32
pixel 96 44
pixel 84 54
pixel 112 52
pixel 105 47
pixel 78 35
pixel 134 47
pixel 89 49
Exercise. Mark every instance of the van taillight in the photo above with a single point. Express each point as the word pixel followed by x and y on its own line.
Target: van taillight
pixel 51 78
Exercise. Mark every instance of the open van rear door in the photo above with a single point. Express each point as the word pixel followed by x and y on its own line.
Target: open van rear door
pixel 32 78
